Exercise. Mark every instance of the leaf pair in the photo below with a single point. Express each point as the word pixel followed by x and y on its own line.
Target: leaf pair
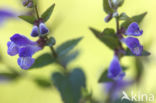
pixel 45 16
pixel 108 37
pixel 70 85
pixel 62 52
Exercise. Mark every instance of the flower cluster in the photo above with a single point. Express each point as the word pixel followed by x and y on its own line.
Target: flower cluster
pixel 133 43
pixel 25 48
pixel 115 70
pixel 39 29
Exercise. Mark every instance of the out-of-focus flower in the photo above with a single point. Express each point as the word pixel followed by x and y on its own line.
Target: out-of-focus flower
pixel 115 71
pixel 133 30
pixel 28 3
pixel 115 88
pixel 6 14
pixel 134 45
pixel 21 45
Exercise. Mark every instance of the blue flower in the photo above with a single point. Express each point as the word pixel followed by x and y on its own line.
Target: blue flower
pixel 6 14
pixel 116 87
pixel 43 29
pixel 28 3
pixel 35 31
pixel 134 45
pixel 115 71
pixel 134 30
pixel 21 45
pixel 39 31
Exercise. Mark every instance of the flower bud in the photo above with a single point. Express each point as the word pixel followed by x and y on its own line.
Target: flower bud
pixel 43 29
pixel 116 3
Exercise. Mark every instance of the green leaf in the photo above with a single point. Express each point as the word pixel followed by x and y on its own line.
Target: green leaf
pixel 43 60
pixel 108 37
pixel 66 59
pixel 8 76
pixel 129 53
pixel 70 85
pixel 123 16
pixel 137 19
pixel 66 47
pixel 104 78
pixel 29 19
pixel 42 82
pixel 107 8
pixel 46 15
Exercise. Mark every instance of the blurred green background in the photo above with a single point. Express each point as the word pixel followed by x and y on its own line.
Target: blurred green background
pixel 71 19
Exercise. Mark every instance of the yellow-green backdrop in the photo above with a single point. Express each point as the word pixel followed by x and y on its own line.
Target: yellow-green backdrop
pixel 73 18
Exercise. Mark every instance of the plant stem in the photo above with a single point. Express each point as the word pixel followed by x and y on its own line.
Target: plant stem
pixel 36 10
pixel 117 25
pixel 53 51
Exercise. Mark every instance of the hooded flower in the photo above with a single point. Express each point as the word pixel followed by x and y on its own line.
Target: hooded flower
pixel 115 71
pixel 39 30
pixel 134 45
pixel 21 45
pixel 133 30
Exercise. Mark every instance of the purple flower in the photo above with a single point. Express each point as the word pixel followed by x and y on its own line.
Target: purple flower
pixel 35 31
pixel 115 71
pixel 134 30
pixel 28 3
pixel 21 45
pixel 134 45
pixel 6 14
pixel 43 29
pixel 39 31
pixel 115 88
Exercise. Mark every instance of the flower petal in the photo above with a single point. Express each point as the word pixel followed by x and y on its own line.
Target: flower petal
pixel 134 30
pixel 28 51
pixel 115 71
pixel 25 62
pixel 134 45
pixel 35 31
pixel 21 40
pixel 12 48
pixel 43 29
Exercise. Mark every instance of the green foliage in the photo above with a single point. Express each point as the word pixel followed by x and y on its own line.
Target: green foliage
pixel 43 60
pixel 70 85
pixel 106 7
pixel 104 77
pixel 129 53
pixel 108 37
pixel 46 15
pixel 66 59
pixel 42 82
pixel 123 16
pixel 9 76
pixel 137 18
pixel 67 46
pixel 28 19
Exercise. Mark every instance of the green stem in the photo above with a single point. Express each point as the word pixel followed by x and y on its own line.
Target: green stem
pixel 53 51
pixel 117 25
pixel 36 10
